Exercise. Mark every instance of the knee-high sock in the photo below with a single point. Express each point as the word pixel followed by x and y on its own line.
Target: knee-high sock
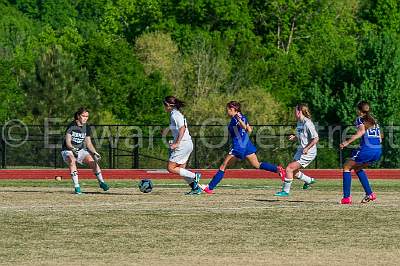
pixel 287 184
pixel 269 167
pixel 187 175
pixel 303 177
pixel 346 184
pixel 99 176
pixel 216 179
pixel 362 176
pixel 75 178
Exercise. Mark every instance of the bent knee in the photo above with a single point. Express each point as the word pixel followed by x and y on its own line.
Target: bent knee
pixel 92 163
pixel 223 166
pixel 71 160
pixel 171 168
pixel 289 169
pixel 347 168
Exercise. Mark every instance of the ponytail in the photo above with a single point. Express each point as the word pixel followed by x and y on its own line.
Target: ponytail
pixel 365 110
pixel 174 102
pixel 303 108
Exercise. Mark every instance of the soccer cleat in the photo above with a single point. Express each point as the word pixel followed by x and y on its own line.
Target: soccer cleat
pixel 281 194
pixel 308 185
pixel 194 191
pixel 104 186
pixel 206 189
pixel 281 172
pixel 346 200
pixel 78 190
pixel 369 198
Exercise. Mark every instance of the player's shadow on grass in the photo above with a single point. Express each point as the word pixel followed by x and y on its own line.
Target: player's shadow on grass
pixel 65 192
pixel 282 200
pixel 267 200
pixel 34 191
pixel 106 193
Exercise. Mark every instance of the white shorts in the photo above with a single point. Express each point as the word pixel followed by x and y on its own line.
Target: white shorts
pixel 304 159
pixel 181 154
pixel 81 155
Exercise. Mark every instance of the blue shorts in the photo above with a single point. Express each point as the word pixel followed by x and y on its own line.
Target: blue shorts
pixel 363 156
pixel 241 153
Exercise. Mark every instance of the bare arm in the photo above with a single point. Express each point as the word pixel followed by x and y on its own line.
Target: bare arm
pixel 249 128
pixel 311 144
pixel 181 133
pixel 313 135
pixel 360 132
pixel 68 141
pixel 89 145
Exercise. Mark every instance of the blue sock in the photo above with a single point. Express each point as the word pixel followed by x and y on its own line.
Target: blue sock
pixel 346 184
pixel 216 179
pixel 362 176
pixel 269 167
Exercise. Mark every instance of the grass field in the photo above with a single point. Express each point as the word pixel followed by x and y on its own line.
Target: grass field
pixel 42 222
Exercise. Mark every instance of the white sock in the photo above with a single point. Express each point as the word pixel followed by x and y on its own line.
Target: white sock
pixel 304 177
pixel 75 178
pixel 286 185
pixel 99 177
pixel 187 175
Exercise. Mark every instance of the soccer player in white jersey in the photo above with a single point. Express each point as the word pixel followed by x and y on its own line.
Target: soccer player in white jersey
pixel 182 146
pixel 78 147
pixel 306 151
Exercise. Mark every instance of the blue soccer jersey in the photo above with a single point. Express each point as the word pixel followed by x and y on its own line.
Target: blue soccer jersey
pixel 241 143
pixel 370 149
pixel 371 137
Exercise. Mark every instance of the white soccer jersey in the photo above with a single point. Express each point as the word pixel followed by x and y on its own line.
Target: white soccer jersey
pixel 305 132
pixel 177 121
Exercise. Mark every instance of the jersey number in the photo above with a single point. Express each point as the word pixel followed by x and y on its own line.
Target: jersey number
pixel 373 132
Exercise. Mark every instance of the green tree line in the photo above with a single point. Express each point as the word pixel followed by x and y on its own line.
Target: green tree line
pixel 121 57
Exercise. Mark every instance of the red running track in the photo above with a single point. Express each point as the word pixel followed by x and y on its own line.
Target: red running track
pixel 163 174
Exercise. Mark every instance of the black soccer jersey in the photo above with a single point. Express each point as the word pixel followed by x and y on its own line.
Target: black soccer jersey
pixel 78 133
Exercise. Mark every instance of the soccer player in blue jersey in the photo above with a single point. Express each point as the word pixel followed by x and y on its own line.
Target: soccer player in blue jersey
pixel 306 152
pixel 78 147
pixel 242 147
pixel 369 151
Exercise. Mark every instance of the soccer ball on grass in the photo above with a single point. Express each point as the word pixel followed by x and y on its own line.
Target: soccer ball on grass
pixel 145 185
